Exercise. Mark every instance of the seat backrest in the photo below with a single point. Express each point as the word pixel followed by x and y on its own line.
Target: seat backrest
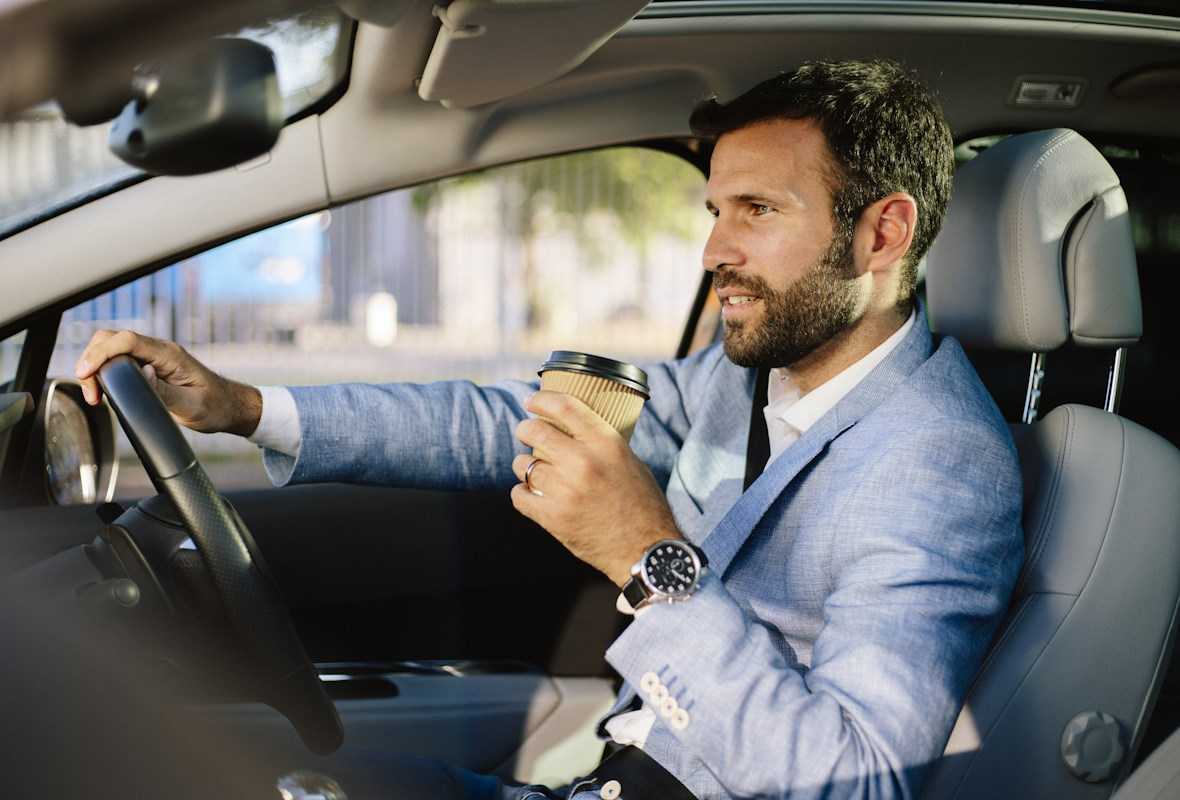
pixel 1157 778
pixel 1036 252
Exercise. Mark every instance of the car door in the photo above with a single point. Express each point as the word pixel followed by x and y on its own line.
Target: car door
pixel 444 623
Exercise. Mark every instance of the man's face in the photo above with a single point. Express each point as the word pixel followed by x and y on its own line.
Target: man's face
pixel 786 285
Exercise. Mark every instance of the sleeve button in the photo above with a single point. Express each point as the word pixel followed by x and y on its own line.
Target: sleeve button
pixel 649 682
pixel 611 790
pixel 668 707
pixel 659 695
pixel 679 719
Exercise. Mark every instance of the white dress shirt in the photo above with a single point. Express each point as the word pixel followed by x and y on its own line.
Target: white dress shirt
pixel 789 413
pixel 278 427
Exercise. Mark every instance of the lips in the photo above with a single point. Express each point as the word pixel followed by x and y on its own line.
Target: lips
pixel 736 304
pixel 735 295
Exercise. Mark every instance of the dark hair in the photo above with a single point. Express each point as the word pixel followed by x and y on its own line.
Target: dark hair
pixel 885 131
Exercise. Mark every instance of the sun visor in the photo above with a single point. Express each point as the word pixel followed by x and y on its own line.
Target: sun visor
pixel 491 49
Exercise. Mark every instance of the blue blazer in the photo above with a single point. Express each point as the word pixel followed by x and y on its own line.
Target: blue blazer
pixel 854 587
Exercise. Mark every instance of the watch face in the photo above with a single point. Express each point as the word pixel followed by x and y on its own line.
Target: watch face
pixel 671 569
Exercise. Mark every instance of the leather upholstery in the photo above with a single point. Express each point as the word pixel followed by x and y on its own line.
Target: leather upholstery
pixel 1101 278
pixel 1158 778
pixel 1038 252
pixel 1036 248
pixel 1092 611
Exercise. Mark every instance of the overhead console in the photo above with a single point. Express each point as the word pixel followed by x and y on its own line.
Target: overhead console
pixel 487 50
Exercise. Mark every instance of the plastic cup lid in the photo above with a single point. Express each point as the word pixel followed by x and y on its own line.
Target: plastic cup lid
pixel 571 361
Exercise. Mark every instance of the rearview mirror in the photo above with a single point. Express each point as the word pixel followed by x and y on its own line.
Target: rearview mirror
pixel 201 111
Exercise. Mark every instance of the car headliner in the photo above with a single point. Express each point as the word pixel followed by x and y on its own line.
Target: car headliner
pixel 638 86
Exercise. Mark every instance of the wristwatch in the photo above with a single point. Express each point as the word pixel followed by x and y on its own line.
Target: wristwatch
pixel 669 571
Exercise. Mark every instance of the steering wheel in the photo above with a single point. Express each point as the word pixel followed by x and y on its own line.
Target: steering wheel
pixel 249 593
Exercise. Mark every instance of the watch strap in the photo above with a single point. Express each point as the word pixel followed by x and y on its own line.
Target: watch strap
pixel 634 593
pixel 700 555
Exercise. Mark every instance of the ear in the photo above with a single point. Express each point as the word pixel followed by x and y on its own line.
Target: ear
pixel 885 231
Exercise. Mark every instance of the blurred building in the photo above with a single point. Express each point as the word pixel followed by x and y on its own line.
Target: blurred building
pixel 380 245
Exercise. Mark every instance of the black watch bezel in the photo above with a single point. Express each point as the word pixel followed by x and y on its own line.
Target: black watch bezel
pixel 642 589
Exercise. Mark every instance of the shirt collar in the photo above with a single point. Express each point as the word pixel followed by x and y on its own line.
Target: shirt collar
pixel 803 411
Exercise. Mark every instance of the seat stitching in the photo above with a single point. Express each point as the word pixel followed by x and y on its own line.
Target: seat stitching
pixel 1040 537
pixel 1025 604
pixel 1087 218
pixel 1028 181
pixel 1114 503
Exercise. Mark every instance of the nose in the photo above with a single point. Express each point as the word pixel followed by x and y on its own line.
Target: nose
pixel 721 249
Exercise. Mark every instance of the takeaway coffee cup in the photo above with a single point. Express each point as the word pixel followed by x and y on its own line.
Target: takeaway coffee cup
pixel 614 389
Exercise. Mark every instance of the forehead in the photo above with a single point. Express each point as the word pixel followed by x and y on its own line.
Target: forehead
pixel 790 153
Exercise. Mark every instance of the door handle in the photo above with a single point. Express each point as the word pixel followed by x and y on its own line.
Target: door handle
pixel 367 680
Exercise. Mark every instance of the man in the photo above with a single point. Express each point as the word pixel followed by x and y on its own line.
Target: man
pixel 853 587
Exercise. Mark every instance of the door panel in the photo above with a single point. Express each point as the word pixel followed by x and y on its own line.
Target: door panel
pixel 378 574
pixel 529 728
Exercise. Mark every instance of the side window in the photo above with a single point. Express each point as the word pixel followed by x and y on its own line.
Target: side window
pixel 476 277
pixel 9 357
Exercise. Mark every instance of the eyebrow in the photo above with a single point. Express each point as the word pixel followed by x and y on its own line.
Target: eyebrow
pixel 761 199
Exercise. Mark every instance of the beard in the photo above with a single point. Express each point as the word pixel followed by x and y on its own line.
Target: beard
pixel 796 321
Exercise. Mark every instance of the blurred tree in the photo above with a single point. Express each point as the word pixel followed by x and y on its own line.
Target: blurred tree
pixel 645 192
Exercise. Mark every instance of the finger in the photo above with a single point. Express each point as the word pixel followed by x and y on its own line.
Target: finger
pixel 90 388
pixel 569 412
pixel 520 467
pixel 526 502
pixel 547 441
pixel 105 345
pixel 90 391
pixel 98 336
pixel 520 464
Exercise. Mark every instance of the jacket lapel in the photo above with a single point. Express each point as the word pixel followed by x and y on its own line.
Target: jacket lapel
pixel 727 538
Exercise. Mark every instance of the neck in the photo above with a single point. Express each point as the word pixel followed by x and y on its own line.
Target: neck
pixel 846 348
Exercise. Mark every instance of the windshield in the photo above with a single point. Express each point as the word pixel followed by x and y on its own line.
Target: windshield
pixel 48 166
pixel 660 8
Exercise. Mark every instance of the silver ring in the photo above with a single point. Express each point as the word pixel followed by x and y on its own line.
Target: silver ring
pixel 528 474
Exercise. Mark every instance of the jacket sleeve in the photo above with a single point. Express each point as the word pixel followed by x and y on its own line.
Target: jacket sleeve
pixel 926 553
pixel 455 434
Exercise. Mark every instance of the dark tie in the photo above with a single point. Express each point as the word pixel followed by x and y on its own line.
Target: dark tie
pixel 758 443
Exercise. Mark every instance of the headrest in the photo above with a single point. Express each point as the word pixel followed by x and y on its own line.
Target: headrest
pixel 1036 250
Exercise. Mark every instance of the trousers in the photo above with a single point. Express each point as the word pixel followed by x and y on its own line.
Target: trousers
pixel 382 776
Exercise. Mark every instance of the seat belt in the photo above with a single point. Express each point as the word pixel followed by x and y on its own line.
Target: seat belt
pixel 758 442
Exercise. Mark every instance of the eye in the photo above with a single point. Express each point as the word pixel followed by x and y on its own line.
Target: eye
pixel 760 209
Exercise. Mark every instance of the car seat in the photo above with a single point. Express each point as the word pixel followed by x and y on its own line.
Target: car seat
pixel 1036 253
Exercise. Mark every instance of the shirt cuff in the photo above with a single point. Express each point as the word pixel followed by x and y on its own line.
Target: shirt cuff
pixel 278 427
